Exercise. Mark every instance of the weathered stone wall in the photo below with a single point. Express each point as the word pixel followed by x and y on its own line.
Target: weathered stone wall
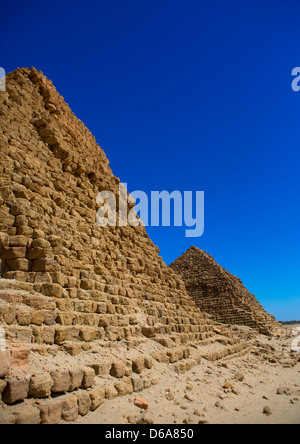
pixel 70 289
pixel 221 294
pixel 77 281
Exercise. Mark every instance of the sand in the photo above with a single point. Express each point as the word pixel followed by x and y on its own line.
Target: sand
pixel 266 379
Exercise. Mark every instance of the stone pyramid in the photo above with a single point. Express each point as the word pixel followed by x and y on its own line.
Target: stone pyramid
pixel 78 302
pixel 96 282
pixel 221 294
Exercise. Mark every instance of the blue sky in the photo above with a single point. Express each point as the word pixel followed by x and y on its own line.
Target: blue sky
pixel 187 95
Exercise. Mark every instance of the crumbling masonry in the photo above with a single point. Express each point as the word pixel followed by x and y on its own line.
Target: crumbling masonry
pixel 69 286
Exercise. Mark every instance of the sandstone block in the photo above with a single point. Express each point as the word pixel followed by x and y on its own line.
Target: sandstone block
pixel 149 332
pixel 54 290
pixel 63 335
pixel 165 342
pixel 21 276
pixel 118 369
pixel 76 378
pixel 37 253
pixel 101 308
pixel 37 317
pixel 27 415
pixel 102 369
pixel 18 241
pixel 41 243
pixel 61 382
pixel 2 387
pixel 6 417
pixel 161 357
pixel 84 402
pixel 186 353
pixel 148 362
pixel 44 265
pixel 88 378
pixel 4 363
pixel 18 264
pixel 138 365
pixel 23 316
pixel 69 408
pixel 74 349
pixel 51 411
pixel 40 385
pixel 19 357
pixel 137 383
pixel 147 383
pixel 173 356
pixel 97 396
pixel 88 334
pixel 15 390
pixel 12 252
pixel 4 239
pixel 111 392
pixel 124 388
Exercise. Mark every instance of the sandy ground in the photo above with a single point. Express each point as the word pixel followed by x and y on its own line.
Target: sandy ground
pixel 201 396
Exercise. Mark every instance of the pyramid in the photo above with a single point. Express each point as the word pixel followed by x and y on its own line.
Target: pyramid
pixel 221 294
pixel 51 172
pixel 72 291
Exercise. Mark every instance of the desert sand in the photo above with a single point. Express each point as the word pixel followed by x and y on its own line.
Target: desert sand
pixel 262 387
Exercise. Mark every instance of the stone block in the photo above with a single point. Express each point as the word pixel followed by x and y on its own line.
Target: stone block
pixel 138 365
pixel 54 290
pixel 51 411
pixel 61 382
pixel 137 383
pixel 88 378
pixel 40 385
pixel 76 379
pixel 148 362
pixel 15 390
pixel 69 408
pixel 102 369
pixel 111 392
pixel 7 417
pixel 44 265
pixel 3 384
pixel 12 253
pixel 74 349
pixel 4 363
pixel 123 388
pixel 97 396
pixel 84 402
pixel 19 358
pixel 27 415
pixel 118 369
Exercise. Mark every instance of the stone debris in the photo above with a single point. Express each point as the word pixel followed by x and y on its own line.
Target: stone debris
pixel 267 411
pixel 141 403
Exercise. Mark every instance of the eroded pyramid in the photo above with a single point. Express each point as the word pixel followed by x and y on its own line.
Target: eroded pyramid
pixel 98 282
pixel 82 306
pixel 221 294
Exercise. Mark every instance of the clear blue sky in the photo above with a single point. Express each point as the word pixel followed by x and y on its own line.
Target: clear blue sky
pixel 187 95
